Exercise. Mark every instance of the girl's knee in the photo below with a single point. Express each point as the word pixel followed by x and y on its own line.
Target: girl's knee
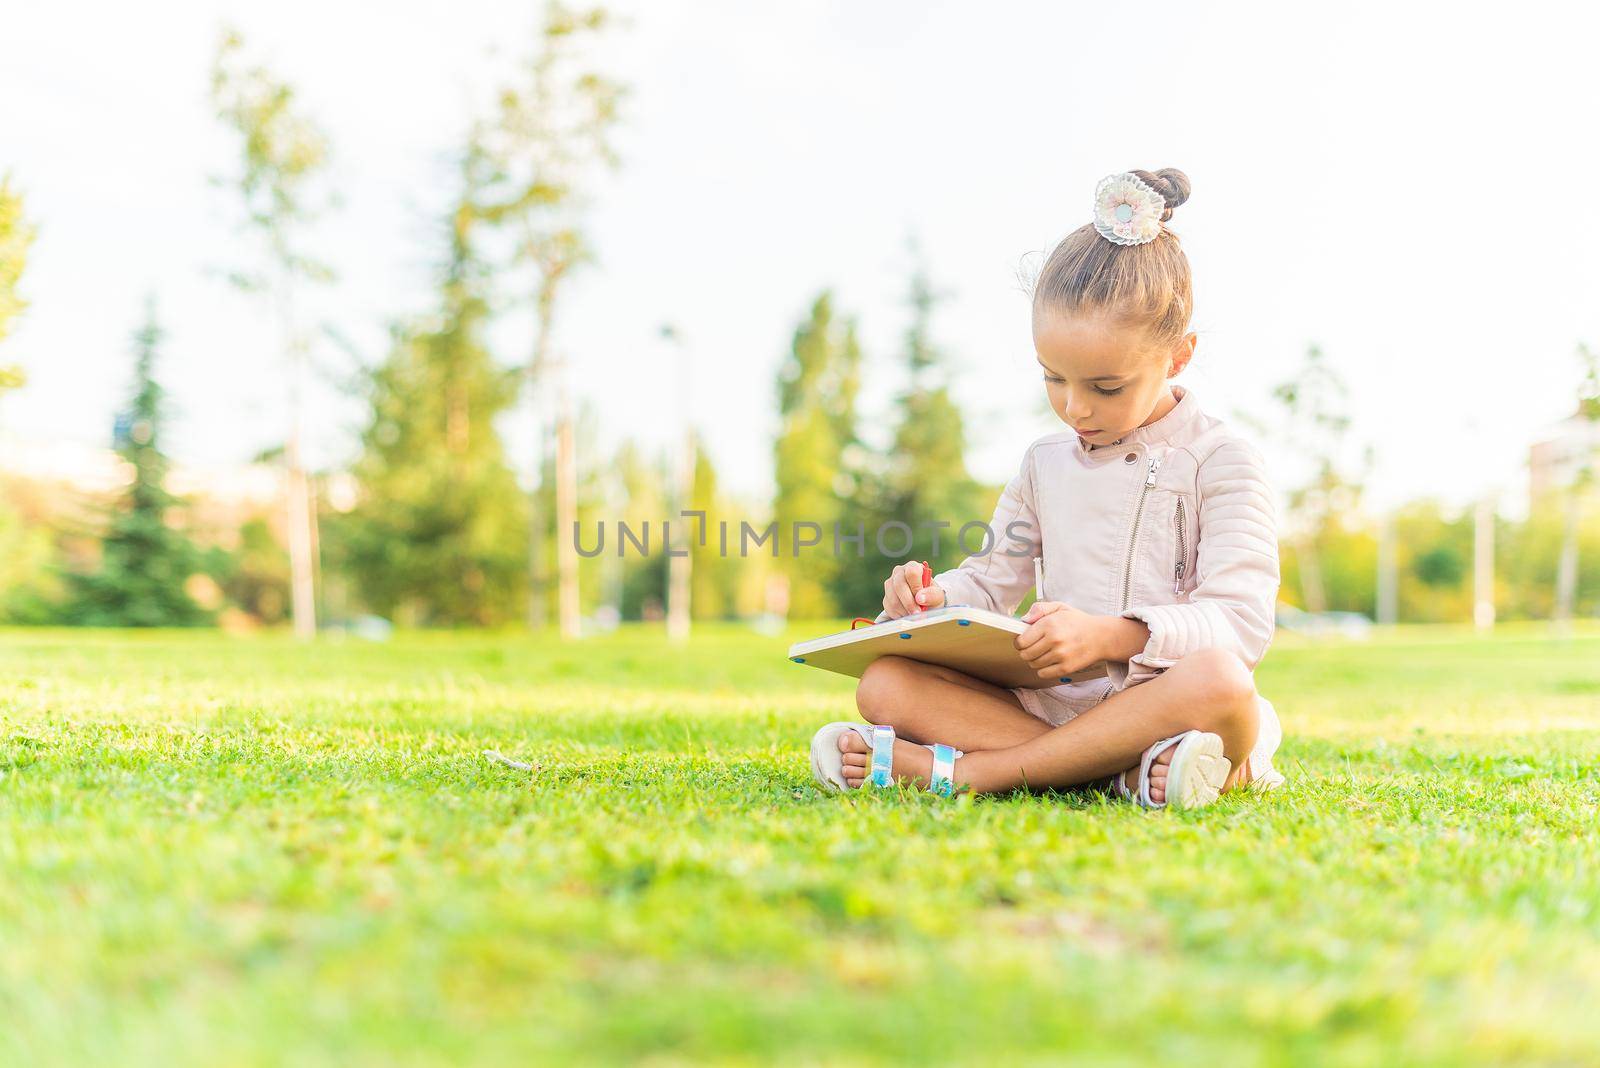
pixel 1217 682
pixel 882 688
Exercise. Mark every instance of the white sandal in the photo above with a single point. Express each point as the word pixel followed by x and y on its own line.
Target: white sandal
pixel 1194 778
pixel 827 762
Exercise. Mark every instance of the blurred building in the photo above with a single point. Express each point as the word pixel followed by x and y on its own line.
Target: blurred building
pixel 74 465
pixel 66 476
pixel 1556 458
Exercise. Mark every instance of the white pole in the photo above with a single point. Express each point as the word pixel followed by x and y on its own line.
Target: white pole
pixel 1388 587
pixel 679 567
pixel 1483 564
pixel 567 600
pixel 297 487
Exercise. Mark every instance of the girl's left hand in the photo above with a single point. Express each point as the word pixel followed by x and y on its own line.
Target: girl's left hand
pixel 1060 639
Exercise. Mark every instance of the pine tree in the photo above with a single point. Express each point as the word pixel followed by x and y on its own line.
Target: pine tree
pixel 145 562
pixel 439 535
pixel 923 481
pixel 643 478
pixel 715 577
pixel 817 389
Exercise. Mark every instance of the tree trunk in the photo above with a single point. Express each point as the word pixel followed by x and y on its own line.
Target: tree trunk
pixel 536 578
pixel 302 580
pixel 566 508
pixel 1388 605
pixel 1567 569
pixel 680 568
pixel 1483 565
pixel 302 585
pixel 611 570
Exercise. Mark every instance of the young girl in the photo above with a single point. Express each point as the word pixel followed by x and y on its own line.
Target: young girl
pixel 1156 528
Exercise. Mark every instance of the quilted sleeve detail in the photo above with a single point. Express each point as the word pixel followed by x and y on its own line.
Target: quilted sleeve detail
pixel 1236 592
pixel 1000 578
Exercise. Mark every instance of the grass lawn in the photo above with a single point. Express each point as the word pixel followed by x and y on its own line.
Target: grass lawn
pixel 240 851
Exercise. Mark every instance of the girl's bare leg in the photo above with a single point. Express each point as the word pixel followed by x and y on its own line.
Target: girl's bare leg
pixel 927 703
pixel 1209 690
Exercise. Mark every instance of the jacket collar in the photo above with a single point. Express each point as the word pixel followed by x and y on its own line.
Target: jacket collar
pixel 1166 428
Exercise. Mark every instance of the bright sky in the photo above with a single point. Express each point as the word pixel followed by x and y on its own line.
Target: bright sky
pixel 1411 187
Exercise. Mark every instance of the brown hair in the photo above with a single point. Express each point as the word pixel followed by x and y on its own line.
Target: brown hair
pixel 1145 285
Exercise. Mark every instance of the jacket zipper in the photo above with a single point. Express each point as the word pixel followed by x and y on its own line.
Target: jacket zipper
pixel 1183 552
pixel 1133 537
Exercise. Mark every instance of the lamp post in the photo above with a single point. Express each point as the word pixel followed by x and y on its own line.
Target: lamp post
pixel 679 567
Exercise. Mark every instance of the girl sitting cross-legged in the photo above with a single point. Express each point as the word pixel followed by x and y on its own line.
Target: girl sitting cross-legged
pixel 1155 525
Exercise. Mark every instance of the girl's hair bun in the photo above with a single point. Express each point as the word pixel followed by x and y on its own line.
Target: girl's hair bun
pixel 1131 266
pixel 1171 183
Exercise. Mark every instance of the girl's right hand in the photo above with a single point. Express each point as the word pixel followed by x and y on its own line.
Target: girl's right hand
pixel 903 593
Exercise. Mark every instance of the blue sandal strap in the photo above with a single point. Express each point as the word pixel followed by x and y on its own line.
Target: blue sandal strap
pixel 882 756
pixel 942 781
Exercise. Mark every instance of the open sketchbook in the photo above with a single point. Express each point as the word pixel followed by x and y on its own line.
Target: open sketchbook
pixel 974 641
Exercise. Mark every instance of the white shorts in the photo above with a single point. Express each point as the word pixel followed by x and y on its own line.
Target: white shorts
pixel 1058 704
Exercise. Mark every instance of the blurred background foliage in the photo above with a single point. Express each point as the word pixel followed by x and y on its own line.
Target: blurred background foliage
pixel 430 525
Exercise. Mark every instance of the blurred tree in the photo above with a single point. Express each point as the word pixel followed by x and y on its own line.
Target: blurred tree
pixel 595 483
pixel 439 533
pixel 644 566
pixel 714 576
pixel 684 552
pixel 1434 558
pixel 1583 478
pixel 282 153
pixel 254 576
pixel 548 145
pixel 31 588
pixel 15 237
pixel 24 548
pixel 1347 559
pixel 923 481
pixel 1528 560
pixel 1441 566
pixel 817 456
pixel 144 562
pixel 1313 427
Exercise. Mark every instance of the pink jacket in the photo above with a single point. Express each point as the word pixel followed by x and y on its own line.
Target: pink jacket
pixel 1173 525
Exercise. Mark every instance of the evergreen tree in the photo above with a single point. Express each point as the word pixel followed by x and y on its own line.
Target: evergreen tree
pixel 816 478
pixel 715 577
pixel 144 561
pixel 439 535
pixel 923 481
pixel 644 574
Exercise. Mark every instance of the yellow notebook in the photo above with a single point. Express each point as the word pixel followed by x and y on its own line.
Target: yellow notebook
pixel 974 641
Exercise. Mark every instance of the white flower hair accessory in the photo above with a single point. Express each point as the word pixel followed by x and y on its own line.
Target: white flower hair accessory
pixel 1127 211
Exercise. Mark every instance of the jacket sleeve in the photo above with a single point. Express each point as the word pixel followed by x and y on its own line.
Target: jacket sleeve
pixel 1000 578
pixel 1236 592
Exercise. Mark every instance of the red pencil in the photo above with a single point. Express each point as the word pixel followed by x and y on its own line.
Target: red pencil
pixel 927 580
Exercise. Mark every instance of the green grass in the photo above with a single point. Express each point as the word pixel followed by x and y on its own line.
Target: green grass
pixel 240 851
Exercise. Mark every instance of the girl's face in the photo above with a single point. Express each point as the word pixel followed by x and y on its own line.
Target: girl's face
pixel 1103 379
